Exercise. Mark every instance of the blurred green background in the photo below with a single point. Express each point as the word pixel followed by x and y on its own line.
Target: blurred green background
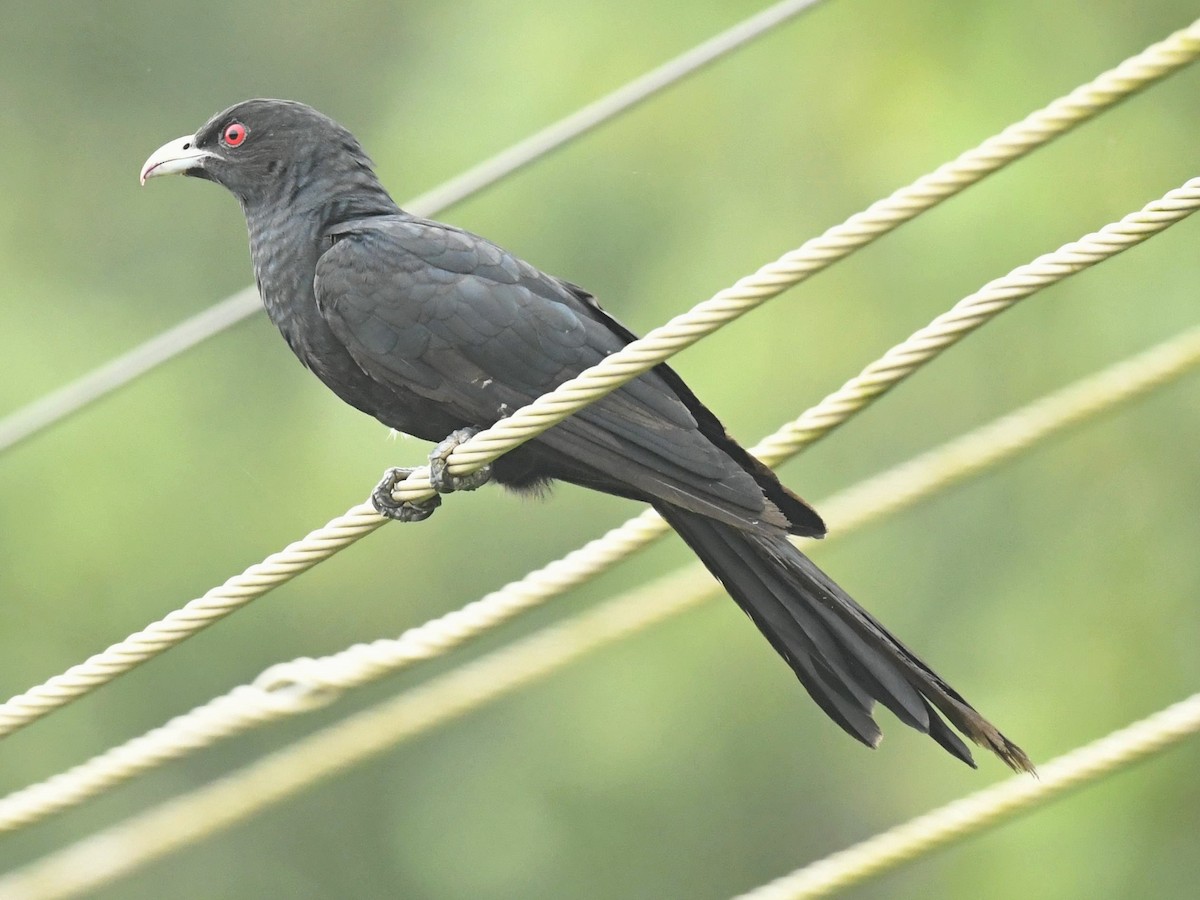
pixel 1057 592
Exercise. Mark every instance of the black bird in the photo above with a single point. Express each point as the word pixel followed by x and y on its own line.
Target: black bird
pixel 438 333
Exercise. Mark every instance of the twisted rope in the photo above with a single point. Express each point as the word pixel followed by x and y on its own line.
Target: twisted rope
pixel 837 242
pixel 298 686
pixel 979 307
pixel 982 448
pixel 897 364
pixel 988 808
pixel 1015 141
pixel 85 390
pixel 879 377
pixel 123 848
pixel 182 623
pixel 1153 64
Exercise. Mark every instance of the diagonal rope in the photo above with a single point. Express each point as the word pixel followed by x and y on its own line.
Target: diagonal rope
pixel 817 254
pixel 192 617
pixel 1134 74
pixel 190 817
pixel 298 686
pixel 93 861
pixel 57 405
pixel 988 808
pixel 858 230
pixel 621 100
pixel 121 370
pixel 899 362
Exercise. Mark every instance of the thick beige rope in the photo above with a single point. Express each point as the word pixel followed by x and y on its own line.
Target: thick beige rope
pixel 145 837
pixel 988 808
pixel 55 406
pixel 292 688
pixel 841 240
pixel 182 623
pixel 1015 141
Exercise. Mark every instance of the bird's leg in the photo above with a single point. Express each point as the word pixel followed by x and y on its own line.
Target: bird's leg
pixel 439 478
pixel 439 472
pixel 400 510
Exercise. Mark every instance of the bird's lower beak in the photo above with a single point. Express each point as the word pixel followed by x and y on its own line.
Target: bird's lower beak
pixel 180 156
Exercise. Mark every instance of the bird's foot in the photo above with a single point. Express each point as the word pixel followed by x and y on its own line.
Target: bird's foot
pixel 440 480
pixel 439 471
pixel 400 510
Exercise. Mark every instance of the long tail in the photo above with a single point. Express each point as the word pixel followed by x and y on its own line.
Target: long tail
pixel 841 654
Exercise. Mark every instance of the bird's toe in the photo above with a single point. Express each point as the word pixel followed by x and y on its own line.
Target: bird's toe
pixel 400 510
pixel 439 465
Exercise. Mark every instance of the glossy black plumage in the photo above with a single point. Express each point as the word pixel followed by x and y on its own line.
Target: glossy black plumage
pixel 431 329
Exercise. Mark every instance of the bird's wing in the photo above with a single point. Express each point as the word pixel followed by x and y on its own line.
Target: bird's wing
pixel 430 309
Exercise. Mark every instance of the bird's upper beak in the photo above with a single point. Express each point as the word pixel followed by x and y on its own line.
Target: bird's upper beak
pixel 176 157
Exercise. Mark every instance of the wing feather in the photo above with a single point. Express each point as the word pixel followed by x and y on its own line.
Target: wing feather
pixel 463 323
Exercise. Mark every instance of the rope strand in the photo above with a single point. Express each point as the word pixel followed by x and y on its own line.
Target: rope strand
pixel 292 686
pixel 298 686
pixel 147 836
pixel 128 367
pixel 958 820
pixel 897 364
pixel 1084 102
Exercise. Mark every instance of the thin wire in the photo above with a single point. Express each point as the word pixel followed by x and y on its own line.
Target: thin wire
pixel 839 241
pixel 897 364
pixel 984 447
pixel 298 686
pixel 835 243
pixel 82 392
pixel 71 398
pixel 988 808
pixel 1134 74
pixel 147 836
pixel 94 861
pixel 621 100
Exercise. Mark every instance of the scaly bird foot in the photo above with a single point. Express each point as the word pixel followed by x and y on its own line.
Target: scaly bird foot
pixel 400 510
pixel 439 472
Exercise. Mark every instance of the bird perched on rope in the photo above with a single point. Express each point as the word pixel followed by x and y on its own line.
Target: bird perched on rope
pixel 439 333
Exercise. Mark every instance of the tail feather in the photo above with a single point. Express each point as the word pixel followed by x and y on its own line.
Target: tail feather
pixel 844 658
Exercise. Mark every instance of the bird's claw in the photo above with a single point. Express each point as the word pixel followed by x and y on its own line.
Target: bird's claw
pixel 400 510
pixel 440 480
pixel 439 467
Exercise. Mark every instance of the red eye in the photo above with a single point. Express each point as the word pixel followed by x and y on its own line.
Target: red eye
pixel 234 135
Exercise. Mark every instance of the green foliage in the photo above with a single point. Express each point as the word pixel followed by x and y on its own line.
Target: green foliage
pixel 1057 592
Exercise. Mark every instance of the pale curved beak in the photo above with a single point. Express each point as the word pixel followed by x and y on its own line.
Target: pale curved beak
pixel 174 158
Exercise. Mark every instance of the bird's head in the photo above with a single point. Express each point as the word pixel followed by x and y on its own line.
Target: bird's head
pixel 264 151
